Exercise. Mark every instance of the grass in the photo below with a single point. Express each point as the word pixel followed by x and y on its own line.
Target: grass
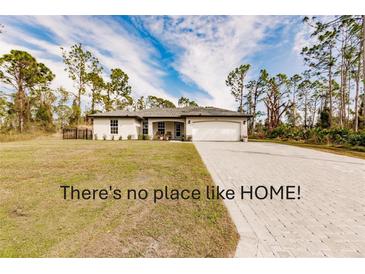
pixel 13 136
pixel 35 221
pixel 357 152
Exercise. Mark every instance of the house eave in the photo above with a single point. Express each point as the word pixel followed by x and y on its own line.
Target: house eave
pixel 115 116
pixel 170 117
pixel 220 116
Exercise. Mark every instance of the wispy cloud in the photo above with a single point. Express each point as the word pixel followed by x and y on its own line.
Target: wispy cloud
pixel 302 39
pixel 207 48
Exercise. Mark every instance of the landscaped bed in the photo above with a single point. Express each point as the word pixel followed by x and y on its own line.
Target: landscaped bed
pixel 35 220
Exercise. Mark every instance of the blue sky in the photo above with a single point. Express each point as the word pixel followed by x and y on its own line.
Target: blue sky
pixel 165 56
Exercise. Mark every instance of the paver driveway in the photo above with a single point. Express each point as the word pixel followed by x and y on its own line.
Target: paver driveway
pixel 328 220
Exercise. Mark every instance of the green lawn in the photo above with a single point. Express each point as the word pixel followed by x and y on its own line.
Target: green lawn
pixel 35 221
pixel 357 152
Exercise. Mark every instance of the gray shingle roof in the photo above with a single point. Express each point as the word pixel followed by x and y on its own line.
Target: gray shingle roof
pixel 173 112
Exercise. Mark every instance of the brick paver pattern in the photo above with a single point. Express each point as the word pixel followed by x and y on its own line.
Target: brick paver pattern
pixel 327 221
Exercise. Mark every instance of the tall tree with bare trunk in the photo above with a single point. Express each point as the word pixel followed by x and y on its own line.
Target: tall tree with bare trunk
pixel 235 80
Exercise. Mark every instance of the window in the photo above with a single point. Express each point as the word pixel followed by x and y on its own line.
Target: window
pixel 145 127
pixel 161 128
pixel 178 129
pixel 113 126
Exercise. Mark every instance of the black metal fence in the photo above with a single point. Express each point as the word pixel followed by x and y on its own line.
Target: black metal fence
pixel 77 133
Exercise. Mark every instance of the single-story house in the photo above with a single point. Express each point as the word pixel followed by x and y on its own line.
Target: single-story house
pixel 187 123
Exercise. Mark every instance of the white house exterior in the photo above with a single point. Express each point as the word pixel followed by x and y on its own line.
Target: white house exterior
pixel 189 123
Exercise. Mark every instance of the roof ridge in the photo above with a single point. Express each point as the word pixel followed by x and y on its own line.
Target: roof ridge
pixel 173 112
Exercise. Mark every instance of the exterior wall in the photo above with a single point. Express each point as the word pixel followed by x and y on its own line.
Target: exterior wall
pixel 241 120
pixel 132 126
pixel 126 126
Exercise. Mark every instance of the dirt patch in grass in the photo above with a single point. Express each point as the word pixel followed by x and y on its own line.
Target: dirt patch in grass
pixel 37 222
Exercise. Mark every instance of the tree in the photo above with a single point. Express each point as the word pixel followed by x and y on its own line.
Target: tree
pixel 319 57
pixel 186 102
pixel 140 104
pixel 277 94
pixel 352 54
pixel 324 118
pixel 62 109
pixel 44 117
pixel 255 91
pixel 43 99
pixel 79 64
pixel 357 75
pixel 235 80
pixel 363 63
pixel 118 91
pixel 303 98
pixel 21 71
pixel 152 102
pixel 75 113
pixel 309 93
pixel 361 121
pixel 294 81
pixel 4 106
pixel 317 98
pixel 97 85
pixel 157 102
pixel 341 38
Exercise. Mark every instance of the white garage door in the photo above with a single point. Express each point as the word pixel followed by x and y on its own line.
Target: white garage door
pixel 216 131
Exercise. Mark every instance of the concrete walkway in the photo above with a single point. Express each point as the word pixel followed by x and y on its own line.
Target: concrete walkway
pixel 327 221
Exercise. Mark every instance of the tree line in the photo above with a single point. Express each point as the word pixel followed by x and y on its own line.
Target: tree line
pixel 327 94
pixel 29 101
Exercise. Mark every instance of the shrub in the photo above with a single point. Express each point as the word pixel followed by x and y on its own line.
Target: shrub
pixel 120 138
pixel 357 139
pixel 112 138
pixel 283 132
pixel 140 137
pixel 104 137
pixel 146 137
pixel 317 135
pixel 339 136
pixel 324 118
pixel 129 137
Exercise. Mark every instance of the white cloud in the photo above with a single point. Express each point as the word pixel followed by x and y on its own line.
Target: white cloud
pixel 303 36
pixel 210 47
pixel 100 35
pixel 302 39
